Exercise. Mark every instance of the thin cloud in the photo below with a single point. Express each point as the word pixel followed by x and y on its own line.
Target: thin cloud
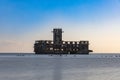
pixel 15 46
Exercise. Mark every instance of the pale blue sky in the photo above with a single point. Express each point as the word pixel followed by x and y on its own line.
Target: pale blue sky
pixel 24 21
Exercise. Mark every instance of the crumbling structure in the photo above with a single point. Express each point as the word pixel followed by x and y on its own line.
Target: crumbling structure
pixel 58 46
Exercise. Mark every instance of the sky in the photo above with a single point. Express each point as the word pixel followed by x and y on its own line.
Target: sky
pixel 24 21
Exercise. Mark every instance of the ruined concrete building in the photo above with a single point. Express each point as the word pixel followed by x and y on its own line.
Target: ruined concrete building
pixel 58 46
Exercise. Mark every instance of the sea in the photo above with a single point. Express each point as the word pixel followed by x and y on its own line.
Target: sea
pixel 28 66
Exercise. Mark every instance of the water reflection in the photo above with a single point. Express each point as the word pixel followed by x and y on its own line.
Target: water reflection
pixel 66 70
pixel 57 72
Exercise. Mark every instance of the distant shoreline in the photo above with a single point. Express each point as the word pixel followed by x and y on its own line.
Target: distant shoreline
pixel 48 54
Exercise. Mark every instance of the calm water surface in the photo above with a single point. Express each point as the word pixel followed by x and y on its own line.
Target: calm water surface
pixel 56 67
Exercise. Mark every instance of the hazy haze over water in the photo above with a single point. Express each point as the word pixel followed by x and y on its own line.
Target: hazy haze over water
pixel 56 67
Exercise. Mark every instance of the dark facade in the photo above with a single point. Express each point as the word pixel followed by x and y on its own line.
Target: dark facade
pixel 58 46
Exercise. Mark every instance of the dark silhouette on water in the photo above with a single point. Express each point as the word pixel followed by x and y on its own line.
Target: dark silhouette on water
pixel 58 46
